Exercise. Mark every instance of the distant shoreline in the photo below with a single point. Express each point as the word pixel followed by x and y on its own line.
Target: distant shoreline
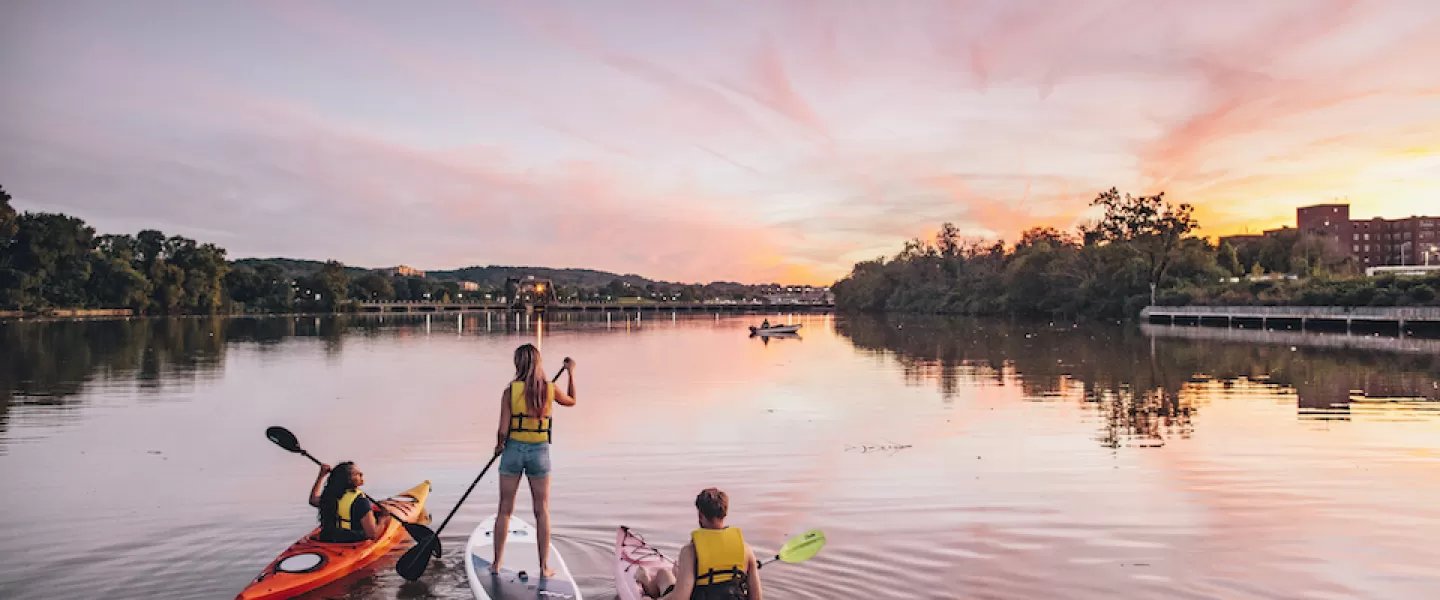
pixel 105 314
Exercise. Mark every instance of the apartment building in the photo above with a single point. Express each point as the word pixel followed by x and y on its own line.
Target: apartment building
pixel 1371 242
pixel 1411 241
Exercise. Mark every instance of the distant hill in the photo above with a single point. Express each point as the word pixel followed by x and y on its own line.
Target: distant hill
pixel 496 276
pixel 485 276
pixel 293 268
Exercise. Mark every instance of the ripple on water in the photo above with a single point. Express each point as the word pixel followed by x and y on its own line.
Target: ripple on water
pixel 1080 464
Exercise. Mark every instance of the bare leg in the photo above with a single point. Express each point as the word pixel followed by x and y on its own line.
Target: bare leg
pixel 642 577
pixel 509 484
pixel 540 491
pixel 655 584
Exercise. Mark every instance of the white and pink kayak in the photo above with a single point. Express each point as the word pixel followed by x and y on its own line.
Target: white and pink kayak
pixel 632 554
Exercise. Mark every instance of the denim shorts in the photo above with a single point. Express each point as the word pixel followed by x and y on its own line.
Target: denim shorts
pixel 527 458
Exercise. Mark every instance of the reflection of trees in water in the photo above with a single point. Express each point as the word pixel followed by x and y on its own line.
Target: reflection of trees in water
pixel 1141 418
pixel 48 363
pixel 1110 368
pixel 1146 389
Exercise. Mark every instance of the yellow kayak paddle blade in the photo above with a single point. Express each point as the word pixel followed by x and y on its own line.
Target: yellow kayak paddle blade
pixel 802 547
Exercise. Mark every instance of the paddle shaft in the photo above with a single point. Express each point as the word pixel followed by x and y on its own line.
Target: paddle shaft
pixel 482 474
pixel 466 494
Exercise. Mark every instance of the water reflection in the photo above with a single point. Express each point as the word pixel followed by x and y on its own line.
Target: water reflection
pixel 1149 383
pixel 47 364
pixel 984 458
pixel 50 363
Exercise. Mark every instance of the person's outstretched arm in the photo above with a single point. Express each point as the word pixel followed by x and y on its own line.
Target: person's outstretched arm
pixel 319 483
pixel 567 398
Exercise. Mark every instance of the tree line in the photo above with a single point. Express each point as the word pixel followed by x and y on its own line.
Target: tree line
pixel 55 260
pixel 1142 250
pixel 50 260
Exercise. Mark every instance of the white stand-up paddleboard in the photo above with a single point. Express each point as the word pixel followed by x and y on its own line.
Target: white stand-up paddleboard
pixel 633 555
pixel 519 575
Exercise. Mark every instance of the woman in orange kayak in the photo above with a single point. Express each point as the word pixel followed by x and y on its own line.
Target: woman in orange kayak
pixel 523 441
pixel 346 514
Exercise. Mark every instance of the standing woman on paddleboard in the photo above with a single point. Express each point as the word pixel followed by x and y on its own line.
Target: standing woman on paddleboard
pixel 523 442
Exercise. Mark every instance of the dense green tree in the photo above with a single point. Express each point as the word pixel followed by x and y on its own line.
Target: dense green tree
pixel 326 289
pixel 418 288
pixel 1148 225
pixel 245 285
pixel 47 262
pixel 149 244
pixel 11 278
pixel 167 282
pixel 446 291
pixel 8 219
pixel 115 283
pixel 1141 252
pixel 373 287
pixel 205 268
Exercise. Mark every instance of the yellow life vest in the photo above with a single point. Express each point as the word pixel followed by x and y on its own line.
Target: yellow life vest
pixel 342 511
pixel 524 428
pixel 719 555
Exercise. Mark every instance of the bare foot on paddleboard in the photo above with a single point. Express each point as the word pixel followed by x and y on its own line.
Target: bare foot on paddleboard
pixel 494 569
pixel 546 572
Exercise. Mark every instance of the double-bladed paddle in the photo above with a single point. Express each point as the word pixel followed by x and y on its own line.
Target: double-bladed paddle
pixel 799 549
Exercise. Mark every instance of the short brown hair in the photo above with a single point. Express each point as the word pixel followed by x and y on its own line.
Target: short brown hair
pixel 712 503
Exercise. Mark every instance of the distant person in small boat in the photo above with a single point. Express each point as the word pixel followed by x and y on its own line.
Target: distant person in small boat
pixel 346 514
pixel 717 564
pixel 765 324
pixel 523 442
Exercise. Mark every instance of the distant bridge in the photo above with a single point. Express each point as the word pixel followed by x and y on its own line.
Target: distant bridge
pixel 404 306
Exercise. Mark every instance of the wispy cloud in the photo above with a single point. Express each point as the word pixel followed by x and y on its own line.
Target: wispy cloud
pixel 703 141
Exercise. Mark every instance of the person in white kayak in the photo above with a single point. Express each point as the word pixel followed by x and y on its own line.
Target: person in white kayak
pixel 717 564
pixel 523 443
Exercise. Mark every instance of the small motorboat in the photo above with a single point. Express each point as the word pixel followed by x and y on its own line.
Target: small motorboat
pixel 775 329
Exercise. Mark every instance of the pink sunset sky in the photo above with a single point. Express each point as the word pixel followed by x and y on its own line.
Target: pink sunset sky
pixel 745 140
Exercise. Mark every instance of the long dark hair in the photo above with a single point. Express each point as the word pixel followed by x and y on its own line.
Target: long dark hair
pixel 335 487
pixel 527 369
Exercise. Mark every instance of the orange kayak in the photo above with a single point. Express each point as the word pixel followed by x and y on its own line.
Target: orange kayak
pixel 308 564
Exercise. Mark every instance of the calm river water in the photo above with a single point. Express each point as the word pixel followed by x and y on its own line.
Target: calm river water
pixel 943 458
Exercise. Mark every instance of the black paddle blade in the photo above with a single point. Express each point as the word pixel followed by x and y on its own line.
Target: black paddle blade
pixel 413 563
pixel 420 532
pixel 283 438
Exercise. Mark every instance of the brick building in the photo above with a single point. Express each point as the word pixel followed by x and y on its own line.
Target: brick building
pixel 1329 221
pixel 1411 241
pixel 1372 242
